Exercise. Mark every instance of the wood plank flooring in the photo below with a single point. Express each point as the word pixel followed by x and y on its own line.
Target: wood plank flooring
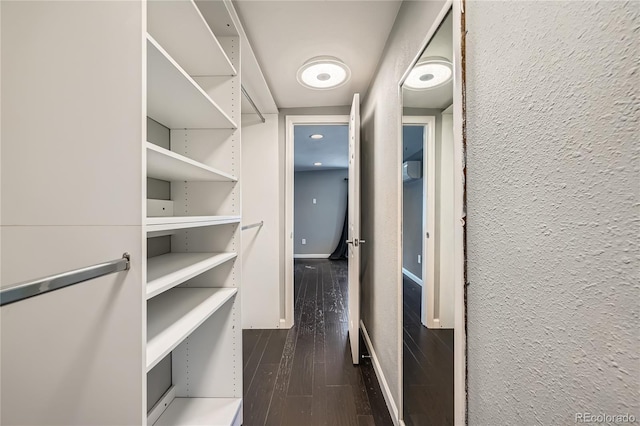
pixel 304 376
pixel 428 366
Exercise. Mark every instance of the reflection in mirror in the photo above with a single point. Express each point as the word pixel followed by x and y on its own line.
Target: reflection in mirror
pixel 428 234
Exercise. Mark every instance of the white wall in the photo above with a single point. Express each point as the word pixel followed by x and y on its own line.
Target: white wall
pixel 320 224
pixel 445 230
pixel 553 171
pixel 261 256
pixel 382 186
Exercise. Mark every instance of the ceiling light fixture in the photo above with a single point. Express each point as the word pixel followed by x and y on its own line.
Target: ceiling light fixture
pixel 429 73
pixel 317 136
pixel 317 164
pixel 323 72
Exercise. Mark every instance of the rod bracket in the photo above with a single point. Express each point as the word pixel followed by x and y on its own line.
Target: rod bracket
pixel 127 256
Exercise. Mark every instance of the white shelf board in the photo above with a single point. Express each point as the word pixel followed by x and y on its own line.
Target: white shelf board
pixel 167 223
pixel 183 32
pixel 168 270
pixel 174 99
pixel 202 412
pixel 174 314
pixel 168 165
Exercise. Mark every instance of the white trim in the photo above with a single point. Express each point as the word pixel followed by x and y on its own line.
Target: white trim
pixel 290 122
pixel 413 277
pixel 311 256
pixel 384 385
pixel 399 262
pixel 283 324
pixel 459 334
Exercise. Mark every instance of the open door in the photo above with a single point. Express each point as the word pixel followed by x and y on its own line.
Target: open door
pixel 354 240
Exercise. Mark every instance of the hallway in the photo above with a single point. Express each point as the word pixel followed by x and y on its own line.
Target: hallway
pixel 304 376
pixel 428 365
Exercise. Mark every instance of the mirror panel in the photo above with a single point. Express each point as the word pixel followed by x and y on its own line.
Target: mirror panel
pixel 428 234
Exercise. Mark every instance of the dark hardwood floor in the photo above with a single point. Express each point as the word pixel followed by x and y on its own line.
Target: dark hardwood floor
pixel 304 376
pixel 428 366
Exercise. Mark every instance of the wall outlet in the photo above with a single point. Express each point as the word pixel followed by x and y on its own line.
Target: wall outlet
pixel 314 201
pixel 419 259
pixel 304 241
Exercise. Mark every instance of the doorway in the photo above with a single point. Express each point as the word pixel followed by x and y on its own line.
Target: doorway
pixel 321 169
pixel 418 221
pixel 315 193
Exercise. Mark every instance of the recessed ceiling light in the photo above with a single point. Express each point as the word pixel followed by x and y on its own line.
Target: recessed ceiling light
pixel 323 72
pixel 317 164
pixel 316 136
pixel 429 73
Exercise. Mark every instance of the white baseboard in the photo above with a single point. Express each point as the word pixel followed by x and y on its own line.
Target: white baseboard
pixel 412 276
pixel 311 256
pixel 386 391
pixel 284 324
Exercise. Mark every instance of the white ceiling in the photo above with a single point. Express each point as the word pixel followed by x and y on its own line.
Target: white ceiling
pixel 285 34
pixel 440 97
pixel 332 150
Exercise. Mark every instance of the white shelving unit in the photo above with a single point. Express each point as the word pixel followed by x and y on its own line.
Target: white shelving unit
pixel 174 314
pixel 167 165
pixel 193 272
pixel 176 322
pixel 168 270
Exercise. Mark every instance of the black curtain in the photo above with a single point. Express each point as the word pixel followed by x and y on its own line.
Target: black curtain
pixel 341 250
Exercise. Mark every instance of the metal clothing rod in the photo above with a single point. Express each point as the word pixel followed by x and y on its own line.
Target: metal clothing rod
pixel 253 225
pixel 246 95
pixel 56 282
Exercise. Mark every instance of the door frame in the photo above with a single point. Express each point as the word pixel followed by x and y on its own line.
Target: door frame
pixel 459 142
pixel 290 122
pixel 427 306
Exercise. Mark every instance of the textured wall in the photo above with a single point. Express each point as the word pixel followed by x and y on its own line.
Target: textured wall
pixel 382 186
pixel 319 224
pixel 553 195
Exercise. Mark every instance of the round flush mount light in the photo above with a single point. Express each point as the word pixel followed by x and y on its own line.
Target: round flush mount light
pixel 323 72
pixel 317 164
pixel 429 73
pixel 317 136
